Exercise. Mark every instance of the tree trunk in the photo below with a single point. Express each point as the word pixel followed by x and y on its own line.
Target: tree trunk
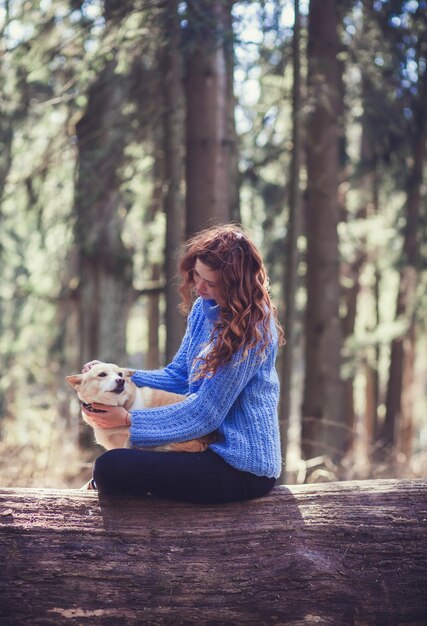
pixel 398 417
pixel 323 428
pixel 232 137
pixel 13 105
pixel 173 121
pixel 336 554
pixel 152 255
pixel 105 290
pixel 370 205
pixel 207 116
pixel 153 360
pixel 294 231
pixel 368 201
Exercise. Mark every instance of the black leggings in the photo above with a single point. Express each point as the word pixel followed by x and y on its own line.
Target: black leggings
pixel 202 477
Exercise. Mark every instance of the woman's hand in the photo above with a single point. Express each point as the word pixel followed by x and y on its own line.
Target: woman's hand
pixel 87 366
pixel 111 416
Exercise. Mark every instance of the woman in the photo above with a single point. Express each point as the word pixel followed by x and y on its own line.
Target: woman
pixel 226 368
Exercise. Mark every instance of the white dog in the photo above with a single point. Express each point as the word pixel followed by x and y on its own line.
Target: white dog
pixel 106 383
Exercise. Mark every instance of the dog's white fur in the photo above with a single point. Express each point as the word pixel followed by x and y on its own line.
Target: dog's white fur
pixel 107 383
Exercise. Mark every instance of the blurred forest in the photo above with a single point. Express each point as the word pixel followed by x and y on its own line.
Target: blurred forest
pixel 126 125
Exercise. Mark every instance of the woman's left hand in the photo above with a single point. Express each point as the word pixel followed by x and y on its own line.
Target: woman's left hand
pixel 111 416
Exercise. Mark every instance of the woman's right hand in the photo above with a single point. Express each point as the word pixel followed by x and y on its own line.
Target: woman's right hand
pixel 87 366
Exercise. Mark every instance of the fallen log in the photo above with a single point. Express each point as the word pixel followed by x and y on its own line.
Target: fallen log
pixel 340 554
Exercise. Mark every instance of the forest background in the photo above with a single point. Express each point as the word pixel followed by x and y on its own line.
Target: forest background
pixel 127 125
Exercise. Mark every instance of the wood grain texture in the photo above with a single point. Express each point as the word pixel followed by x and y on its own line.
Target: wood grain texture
pixel 337 554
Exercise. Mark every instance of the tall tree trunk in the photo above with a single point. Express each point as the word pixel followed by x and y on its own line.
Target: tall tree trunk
pixel 372 388
pixel 105 290
pixel 104 266
pixel 13 108
pixel 372 376
pixel 153 359
pixel 6 136
pixel 398 420
pixel 207 116
pixel 173 121
pixel 323 428
pixel 232 137
pixel 151 253
pixel 366 187
pixel 377 353
pixel 294 231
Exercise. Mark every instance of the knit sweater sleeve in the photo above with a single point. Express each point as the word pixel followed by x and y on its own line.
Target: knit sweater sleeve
pixel 174 377
pixel 201 412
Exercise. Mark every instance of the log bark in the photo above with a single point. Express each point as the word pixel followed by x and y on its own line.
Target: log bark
pixel 338 554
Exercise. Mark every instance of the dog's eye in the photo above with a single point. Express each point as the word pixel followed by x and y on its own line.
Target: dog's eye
pixel 120 374
pixel 101 374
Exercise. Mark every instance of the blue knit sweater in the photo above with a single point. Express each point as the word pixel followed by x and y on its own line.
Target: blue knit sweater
pixel 239 401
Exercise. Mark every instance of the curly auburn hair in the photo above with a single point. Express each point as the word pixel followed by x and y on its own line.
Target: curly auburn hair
pixel 245 320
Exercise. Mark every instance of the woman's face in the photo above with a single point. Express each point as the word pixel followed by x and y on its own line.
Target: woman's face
pixel 207 283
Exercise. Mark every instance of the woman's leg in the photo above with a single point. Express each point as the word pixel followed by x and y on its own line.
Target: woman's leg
pixel 202 477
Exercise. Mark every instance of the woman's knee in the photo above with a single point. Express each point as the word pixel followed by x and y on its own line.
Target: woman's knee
pixel 105 467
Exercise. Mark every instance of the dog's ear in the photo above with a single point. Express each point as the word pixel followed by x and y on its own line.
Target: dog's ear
pixel 128 372
pixel 75 380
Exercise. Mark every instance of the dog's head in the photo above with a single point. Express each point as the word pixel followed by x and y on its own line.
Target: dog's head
pixel 105 383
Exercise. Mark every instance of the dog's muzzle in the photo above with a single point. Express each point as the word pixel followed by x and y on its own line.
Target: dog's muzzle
pixel 120 386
